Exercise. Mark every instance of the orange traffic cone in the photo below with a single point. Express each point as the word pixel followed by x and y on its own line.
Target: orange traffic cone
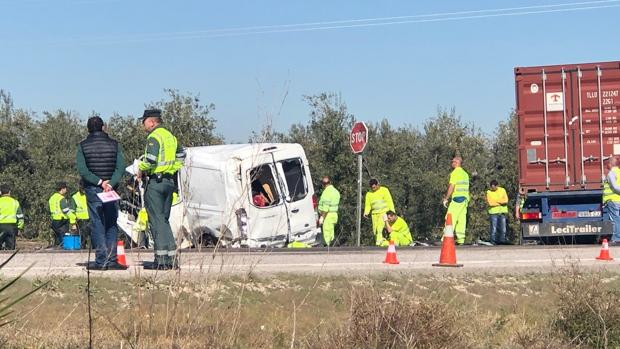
pixel 604 255
pixel 448 252
pixel 390 257
pixel 120 253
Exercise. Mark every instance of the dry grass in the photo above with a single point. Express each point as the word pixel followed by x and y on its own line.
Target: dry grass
pixel 388 311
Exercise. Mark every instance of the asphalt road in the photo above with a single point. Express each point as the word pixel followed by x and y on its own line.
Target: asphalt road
pixel 476 259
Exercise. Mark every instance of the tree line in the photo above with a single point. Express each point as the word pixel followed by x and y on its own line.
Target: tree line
pixel 413 161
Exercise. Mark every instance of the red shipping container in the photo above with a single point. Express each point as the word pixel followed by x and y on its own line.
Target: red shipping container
pixel 567 124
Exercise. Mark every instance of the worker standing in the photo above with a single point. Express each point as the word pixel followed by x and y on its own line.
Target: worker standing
pixel 100 162
pixel 457 198
pixel 61 213
pixel 497 199
pixel 611 197
pixel 398 231
pixel 80 207
pixel 378 202
pixel 328 210
pixel 163 157
pixel 11 218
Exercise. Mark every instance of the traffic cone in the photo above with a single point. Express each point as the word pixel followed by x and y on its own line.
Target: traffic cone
pixel 448 251
pixel 120 253
pixel 604 255
pixel 390 257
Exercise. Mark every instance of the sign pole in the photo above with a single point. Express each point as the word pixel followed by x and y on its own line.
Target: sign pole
pixel 358 139
pixel 359 199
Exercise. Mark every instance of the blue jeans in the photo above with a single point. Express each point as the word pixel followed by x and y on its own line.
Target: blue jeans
pixel 497 228
pixel 613 211
pixel 104 231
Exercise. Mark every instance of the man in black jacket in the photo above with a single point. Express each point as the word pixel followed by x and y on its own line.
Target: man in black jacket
pixel 100 164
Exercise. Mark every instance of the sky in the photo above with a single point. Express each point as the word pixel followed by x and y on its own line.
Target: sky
pixel 255 60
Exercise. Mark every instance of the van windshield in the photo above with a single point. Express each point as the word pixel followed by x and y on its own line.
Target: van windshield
pixel 295 178
pixel 264 188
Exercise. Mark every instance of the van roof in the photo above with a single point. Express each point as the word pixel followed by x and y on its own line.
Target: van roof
pixel 241 151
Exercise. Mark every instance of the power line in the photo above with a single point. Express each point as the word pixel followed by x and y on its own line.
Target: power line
pixel 352 23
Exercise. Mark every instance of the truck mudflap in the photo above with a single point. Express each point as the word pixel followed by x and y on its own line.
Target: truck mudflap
pixel 534 230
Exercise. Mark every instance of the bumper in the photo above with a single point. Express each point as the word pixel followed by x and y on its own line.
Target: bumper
pixel 534 230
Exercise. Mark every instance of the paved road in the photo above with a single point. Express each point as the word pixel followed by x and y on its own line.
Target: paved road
pixel 515 259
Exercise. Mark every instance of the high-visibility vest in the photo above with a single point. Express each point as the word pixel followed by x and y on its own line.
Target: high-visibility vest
pixel 166 161
pixel 460 179
pixel 608 193
pixel 10 212
pixel 500 198
pixel 57 212
pixel 330 199
pixel 379 201
pixel 81 206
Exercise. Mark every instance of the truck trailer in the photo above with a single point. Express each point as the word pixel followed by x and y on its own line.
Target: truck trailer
pixel 567 130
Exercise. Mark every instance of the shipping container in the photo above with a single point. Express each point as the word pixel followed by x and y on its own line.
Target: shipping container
pixel 567 129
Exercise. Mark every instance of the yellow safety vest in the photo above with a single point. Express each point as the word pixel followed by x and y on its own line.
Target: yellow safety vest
pixel 379 201
pixel 166 161
pixel 460 179
pixel 330 199
pixel 57 212
pixel 608 193
pixel 81 206
pixel 10 212
pixel 500 198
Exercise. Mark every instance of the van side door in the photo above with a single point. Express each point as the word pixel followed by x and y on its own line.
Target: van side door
pixel 297 187
pixel 267 219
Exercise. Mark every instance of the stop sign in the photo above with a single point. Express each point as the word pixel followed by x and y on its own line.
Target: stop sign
pixel 358 137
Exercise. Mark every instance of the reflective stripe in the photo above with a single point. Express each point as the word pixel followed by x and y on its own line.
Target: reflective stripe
pixel 161 253
pixel 151 157
pixel 378 205
pixel 172 253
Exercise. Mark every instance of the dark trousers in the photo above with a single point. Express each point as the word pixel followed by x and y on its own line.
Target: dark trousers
pixel 60 228
pixel 84 230
pixel 158 202
pixel 8 231
pixel 103 229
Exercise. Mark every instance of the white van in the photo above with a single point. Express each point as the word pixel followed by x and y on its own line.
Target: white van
pixel 254 195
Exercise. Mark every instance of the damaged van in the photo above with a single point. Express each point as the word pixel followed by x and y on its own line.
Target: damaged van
pixel 242 195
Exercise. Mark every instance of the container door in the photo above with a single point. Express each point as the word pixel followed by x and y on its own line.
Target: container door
pixel 267 219
pixel 544 123
pixel 597 100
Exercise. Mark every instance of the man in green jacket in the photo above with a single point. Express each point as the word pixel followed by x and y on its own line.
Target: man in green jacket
pixel 328 210
pixel 99 160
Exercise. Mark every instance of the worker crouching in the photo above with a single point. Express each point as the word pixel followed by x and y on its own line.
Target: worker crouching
pixel 397 231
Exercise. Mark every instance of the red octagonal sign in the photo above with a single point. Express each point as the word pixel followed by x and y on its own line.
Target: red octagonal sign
pixel 358 137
